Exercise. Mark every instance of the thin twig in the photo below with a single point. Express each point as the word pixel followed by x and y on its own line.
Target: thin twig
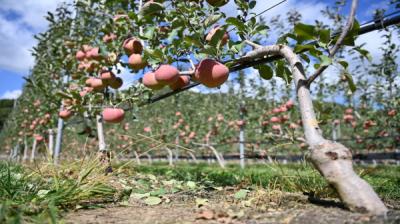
pixel 252 44
pixel 339 42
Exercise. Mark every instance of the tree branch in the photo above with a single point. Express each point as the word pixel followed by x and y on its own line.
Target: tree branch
pixel 339 42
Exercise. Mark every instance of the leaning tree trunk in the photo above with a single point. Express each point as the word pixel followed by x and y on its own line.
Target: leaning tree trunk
pixel 218 156
pixel 170 156
pixel 333 160
pixel 193 157
pixel 103 154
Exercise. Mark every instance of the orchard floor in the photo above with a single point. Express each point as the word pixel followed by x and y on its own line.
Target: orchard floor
pixel 291 208
pixel 81 192
pixel 262 202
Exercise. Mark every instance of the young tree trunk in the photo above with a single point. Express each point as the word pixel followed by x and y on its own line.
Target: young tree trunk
pixel 32 159
pixel 149 159
pixel 170 156
pixel 241 131
pixel 333 160
pixel 57 149
pixel 334 133
pixel 103 154
pixel 26 148
pixel 192 156
pixel 137 158
pixel 241 146
pixel 217 156
pixel 51 142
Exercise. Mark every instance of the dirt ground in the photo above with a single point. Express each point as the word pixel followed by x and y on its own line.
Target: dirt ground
pixel 264 207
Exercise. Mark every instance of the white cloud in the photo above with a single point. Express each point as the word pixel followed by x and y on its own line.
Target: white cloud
pixel 19 21
pixel 310 10
pixel 373 41
pixel 14 94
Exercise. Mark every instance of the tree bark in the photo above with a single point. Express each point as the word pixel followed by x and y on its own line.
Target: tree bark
pixel 103 154
pixel 333 160
pixel 26 148
pixel 51 142
pixel 137 158
pixel 149 159
pixel 218 156
pixel 170 156
pixel 33 153
pixel 192 156
pixel 60 128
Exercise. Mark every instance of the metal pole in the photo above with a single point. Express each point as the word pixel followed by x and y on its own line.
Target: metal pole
pixel 57 149
pixel 241 135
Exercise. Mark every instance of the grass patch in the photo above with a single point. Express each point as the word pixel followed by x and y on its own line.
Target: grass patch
pixel 36 195
pixel 40 193
pixel 292 177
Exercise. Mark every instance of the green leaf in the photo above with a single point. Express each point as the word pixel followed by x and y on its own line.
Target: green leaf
pixel 304 31
pixel 350 81
pixel 349 40
pixel 158 192
pixel 252 4
pixel 150 8
pixel 152 201
pixel 324 36
pixel 325 60
pixel 265 71
pixel 212 19
pixel 364 53
pixel 241 194
pixel 344 64
pixel 236 22
pixel 42 193
pixel 303 48
pixel 191 184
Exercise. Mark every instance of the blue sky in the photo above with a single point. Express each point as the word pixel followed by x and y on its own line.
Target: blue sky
pixel 20 20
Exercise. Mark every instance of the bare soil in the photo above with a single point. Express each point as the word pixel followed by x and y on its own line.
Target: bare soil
pixel 258 207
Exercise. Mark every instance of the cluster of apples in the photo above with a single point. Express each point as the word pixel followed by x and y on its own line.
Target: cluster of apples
pixel 208 72
pixel 349 118
pixel 215 3
pixel 185 132
pixel 133 47
pixel 392 113
pixel 279 117
pixel 368 124
pixel 31 127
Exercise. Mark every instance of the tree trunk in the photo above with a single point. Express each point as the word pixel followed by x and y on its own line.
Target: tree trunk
pixel 137 158
pixel 192 156
pixel 26 148
pixel 170 156
pixel 149 159
pixel 32 159
pixel 217 155
pixel 331 159
pixel 57 149
pixel 51 142
pixel 103 154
